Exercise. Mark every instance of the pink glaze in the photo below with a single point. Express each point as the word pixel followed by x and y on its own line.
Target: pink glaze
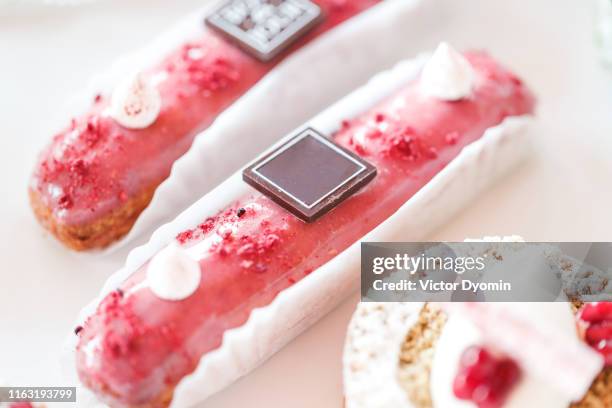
pixel 139 344
pixel 94 166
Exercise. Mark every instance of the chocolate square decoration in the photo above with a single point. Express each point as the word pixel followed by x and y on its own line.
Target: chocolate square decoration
pixel 309 175
pixel 264 28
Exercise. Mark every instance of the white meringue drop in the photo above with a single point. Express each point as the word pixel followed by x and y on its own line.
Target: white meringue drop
pixel 172 274
pixel 447 75
pixel 135 102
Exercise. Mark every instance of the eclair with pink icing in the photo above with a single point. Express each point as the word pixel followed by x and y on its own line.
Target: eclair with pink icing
pixel 100 171
pixel 152 332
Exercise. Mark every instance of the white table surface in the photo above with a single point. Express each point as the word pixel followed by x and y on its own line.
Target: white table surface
pixel 563 193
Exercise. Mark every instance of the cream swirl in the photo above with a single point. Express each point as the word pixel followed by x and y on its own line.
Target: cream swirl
pixel 460 333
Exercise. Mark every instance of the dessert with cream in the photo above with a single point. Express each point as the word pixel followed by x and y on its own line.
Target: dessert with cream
pixel 481 355
pixel 152 331
pixel 100 172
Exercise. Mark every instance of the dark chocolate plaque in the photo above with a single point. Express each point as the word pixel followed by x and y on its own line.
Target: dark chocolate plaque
pixel 309 175
pixel 265 27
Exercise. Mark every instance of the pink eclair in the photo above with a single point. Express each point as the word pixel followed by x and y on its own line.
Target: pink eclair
pixel 147 335
pixel 100 172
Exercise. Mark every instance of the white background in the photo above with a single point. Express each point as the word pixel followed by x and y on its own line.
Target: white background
pixel 563 193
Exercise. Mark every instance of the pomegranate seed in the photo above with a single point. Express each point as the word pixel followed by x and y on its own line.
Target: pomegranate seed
pixel 461 389
pixel 596 312
pixel 485 379
pixel 598 331
pixel 597 319
pixel 508 371
pixel 604 347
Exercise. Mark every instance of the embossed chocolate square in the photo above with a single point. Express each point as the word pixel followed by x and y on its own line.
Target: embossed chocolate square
pixel 264 28
pixel 309 175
